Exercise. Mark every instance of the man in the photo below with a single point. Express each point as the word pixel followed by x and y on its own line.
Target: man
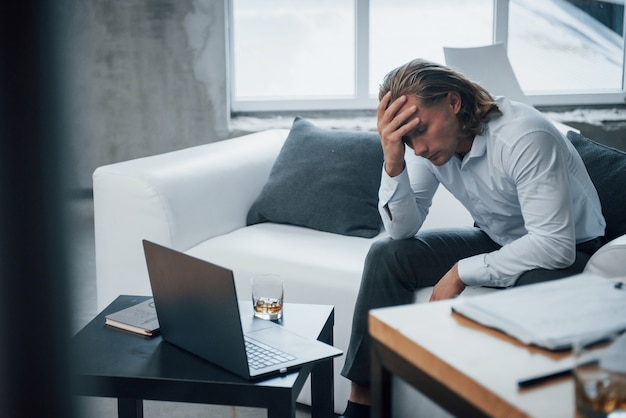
pixel 537 214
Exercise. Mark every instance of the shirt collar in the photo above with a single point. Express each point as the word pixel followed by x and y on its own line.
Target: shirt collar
pixel 479 146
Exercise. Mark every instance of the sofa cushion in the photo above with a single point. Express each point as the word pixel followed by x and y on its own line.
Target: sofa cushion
pixel 607 168
pixel 324 179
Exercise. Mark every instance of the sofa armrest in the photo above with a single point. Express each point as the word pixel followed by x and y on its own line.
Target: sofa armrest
pixel 608 261
pixel 177 199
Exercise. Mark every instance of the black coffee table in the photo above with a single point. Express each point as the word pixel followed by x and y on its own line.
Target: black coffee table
pixel 129 367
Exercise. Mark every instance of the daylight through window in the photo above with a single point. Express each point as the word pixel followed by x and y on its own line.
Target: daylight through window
pixel 332 54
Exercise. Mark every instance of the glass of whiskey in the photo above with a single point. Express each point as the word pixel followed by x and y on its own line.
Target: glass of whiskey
pixel 267 296
pixel 600 377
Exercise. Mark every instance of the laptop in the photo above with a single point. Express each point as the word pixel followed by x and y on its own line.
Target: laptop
pixel 198 311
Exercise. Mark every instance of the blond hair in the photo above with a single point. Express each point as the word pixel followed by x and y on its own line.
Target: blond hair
pixel 431 82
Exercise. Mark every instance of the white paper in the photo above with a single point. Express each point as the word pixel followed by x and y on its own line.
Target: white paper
pixel 552 314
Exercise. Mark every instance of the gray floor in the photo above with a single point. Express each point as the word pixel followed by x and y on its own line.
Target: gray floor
pixel 83 269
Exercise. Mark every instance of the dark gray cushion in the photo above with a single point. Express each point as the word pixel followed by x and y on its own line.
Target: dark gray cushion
pixel 607 168
pixel 324 179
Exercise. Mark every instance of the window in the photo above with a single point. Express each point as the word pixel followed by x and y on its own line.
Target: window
pixel 300 49
pixel 421 29
pixel 573 52
pixel 332 54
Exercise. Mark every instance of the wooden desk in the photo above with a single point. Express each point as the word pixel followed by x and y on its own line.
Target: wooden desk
pixel 468 369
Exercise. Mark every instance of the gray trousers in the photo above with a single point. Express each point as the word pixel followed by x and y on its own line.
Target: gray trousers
pixel 395 269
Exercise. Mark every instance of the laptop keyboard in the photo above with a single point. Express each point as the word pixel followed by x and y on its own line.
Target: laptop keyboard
pixel 261 355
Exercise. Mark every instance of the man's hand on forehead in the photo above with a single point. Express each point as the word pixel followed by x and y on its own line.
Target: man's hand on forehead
pixel 395 120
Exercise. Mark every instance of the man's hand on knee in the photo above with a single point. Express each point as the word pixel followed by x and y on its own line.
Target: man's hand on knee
pixel 449 286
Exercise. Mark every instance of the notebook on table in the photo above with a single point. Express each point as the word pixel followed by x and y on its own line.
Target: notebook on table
pixel 198 311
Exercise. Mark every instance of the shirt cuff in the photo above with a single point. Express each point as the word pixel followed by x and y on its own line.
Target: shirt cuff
pixel 473 270
pixel 393 187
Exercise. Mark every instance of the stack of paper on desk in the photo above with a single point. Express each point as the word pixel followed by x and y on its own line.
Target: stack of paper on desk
pixel 553 314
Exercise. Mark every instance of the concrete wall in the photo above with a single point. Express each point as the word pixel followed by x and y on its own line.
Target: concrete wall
pixel 144 77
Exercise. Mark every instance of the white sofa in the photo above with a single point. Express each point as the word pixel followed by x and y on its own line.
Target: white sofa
pixel 196 200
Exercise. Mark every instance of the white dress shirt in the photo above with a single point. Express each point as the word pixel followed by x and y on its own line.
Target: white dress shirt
pixel 525 186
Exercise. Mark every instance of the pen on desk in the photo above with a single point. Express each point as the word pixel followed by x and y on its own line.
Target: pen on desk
pixel 535 380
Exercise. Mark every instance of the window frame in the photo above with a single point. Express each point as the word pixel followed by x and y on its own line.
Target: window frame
pixel 362 101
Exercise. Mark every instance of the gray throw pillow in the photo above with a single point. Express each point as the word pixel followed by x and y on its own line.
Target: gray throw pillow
pixel 607 168
pixel 324 179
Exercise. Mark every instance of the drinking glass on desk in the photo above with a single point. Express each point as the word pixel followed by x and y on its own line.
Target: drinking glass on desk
pixel 600 377
pixel 267 296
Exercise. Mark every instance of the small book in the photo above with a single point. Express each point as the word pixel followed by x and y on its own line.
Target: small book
pixel 140 319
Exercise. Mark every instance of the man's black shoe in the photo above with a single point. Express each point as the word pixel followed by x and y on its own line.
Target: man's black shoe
pixel 356 410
